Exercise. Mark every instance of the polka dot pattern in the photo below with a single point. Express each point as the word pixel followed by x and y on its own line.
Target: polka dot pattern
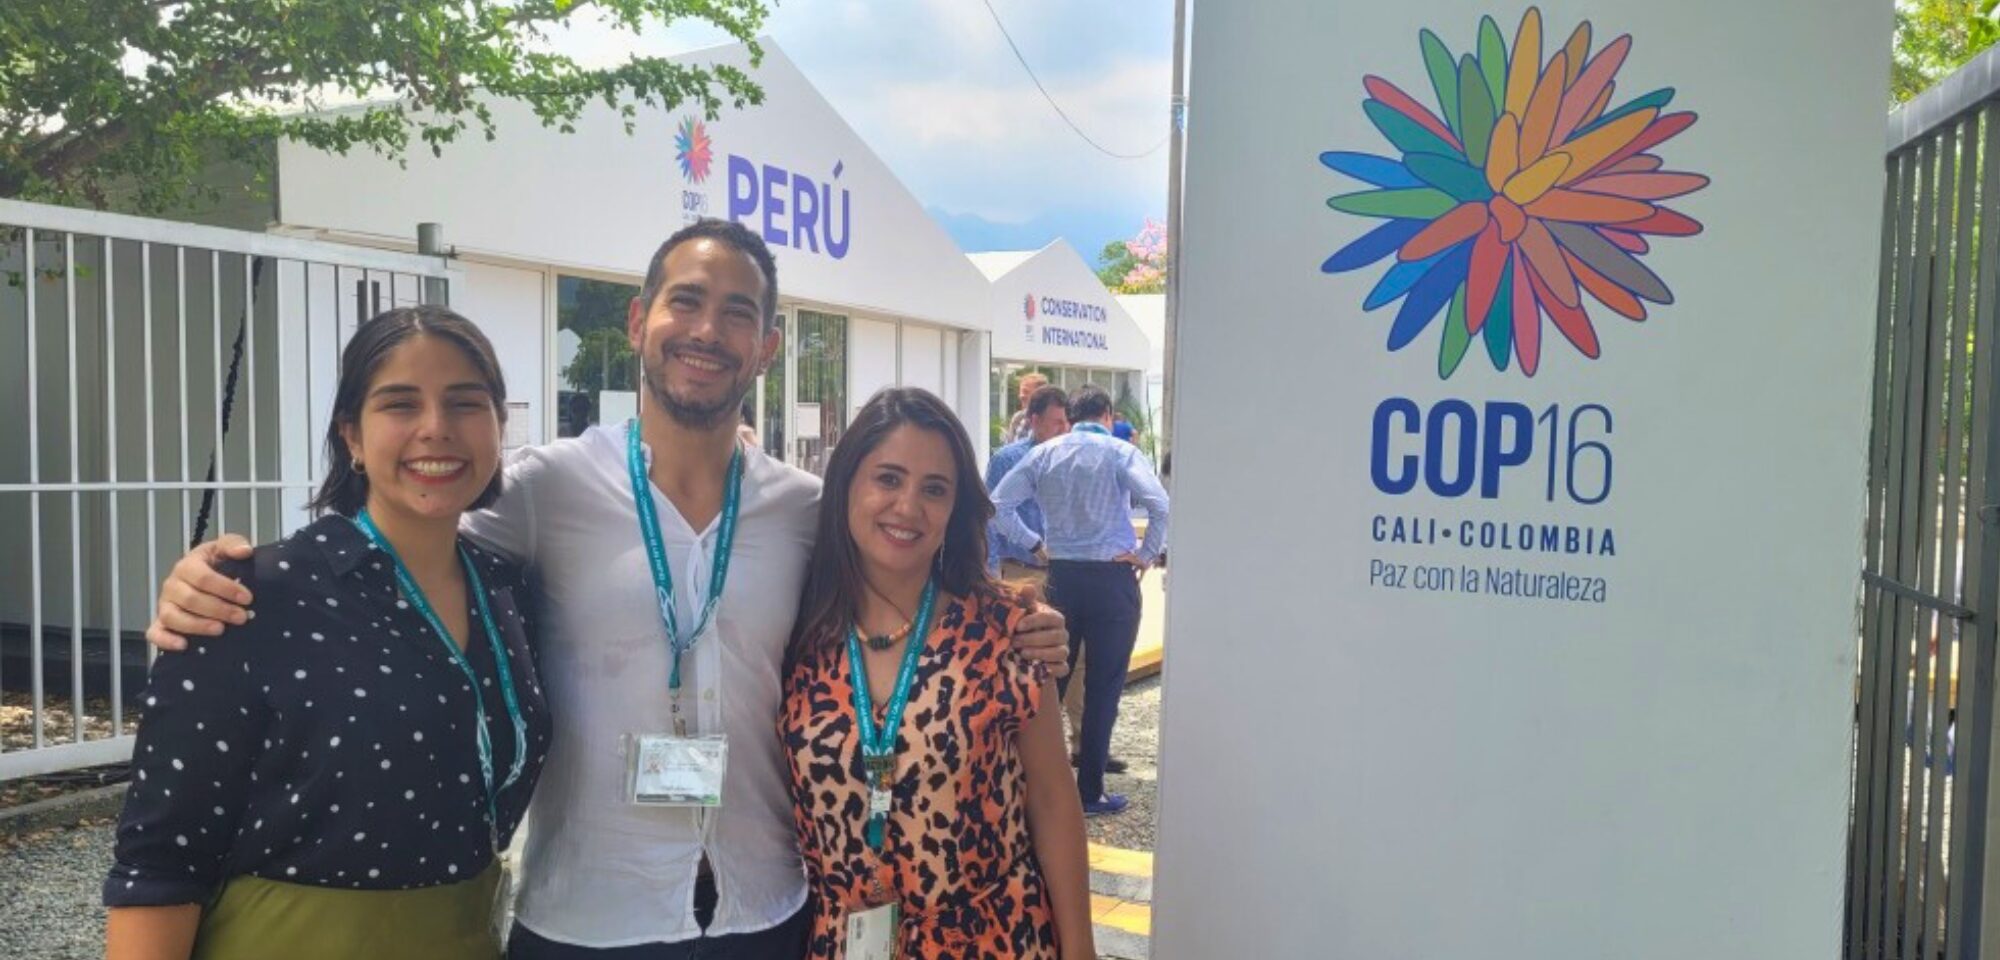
pixel 328 743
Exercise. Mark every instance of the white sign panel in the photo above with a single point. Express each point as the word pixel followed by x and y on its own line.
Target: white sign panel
pixel 1544 642
pixel 617 406
pixel 805 421
pixel 1050 307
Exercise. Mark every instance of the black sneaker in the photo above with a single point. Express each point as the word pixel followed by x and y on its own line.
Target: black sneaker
pixel 1111 764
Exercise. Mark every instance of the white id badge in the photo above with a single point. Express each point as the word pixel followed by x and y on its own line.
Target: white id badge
pixel 668 771
pixel 871 934
pixel 503 904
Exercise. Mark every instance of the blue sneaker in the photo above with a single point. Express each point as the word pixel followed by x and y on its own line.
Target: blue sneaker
pixel 1110 803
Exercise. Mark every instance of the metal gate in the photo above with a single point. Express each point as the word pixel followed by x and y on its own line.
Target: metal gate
pixel 1920 837
pixel 158 380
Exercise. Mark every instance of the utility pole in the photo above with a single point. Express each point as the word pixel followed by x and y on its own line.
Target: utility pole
pixel 1176 148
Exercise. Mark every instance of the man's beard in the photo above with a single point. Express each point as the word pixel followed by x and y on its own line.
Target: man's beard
pixel 695 416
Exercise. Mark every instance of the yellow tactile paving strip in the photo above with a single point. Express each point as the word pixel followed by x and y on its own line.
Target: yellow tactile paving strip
pixel 1129 863
pixel 1125 915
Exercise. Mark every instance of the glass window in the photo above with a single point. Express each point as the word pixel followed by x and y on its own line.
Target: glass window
pixel 822 389
pixel 1128 392
pixel 772 426
pixel 1002 407
pixel 594 354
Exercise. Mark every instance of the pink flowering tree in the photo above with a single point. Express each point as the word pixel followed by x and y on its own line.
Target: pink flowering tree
pixel 1138 265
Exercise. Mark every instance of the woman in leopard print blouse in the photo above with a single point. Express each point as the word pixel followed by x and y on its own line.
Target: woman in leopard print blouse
pixel 980 842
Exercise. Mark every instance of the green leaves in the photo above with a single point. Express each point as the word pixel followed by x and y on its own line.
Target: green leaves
pixel 104 98
pixel 1935 37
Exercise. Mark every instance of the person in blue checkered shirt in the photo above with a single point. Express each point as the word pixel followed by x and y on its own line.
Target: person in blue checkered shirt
pixel 1085 484
pixel 1047 417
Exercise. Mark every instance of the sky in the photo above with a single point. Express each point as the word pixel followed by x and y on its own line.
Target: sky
pixel 932 86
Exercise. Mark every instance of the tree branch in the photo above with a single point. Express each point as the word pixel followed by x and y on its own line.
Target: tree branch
pixel 83 148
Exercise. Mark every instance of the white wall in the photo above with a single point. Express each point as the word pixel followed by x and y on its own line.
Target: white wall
pixel 507 303
pixel 923 359
pixel 1355 766
pixel 968 412
pixel 871 360
pixel 975 363
pixel 1149 311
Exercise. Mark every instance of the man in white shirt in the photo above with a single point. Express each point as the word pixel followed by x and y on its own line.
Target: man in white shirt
pixel 603 876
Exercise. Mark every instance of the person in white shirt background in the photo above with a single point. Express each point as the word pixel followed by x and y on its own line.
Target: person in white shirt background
pixel 603 876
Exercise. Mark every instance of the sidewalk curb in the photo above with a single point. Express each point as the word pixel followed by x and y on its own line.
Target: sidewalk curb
pixel 1145 664
pixel 63 811
pixel 1122 928
pixel 1124 874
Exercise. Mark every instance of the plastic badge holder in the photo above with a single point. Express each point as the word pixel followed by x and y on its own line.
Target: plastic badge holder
pixel 670 771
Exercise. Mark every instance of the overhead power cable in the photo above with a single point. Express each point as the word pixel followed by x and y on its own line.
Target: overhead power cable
pixel 1057 107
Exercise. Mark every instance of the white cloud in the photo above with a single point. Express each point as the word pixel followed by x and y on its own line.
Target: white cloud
pixel 1124 109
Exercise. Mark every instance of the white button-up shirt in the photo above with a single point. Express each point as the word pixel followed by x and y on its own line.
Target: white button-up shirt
pixel 598 870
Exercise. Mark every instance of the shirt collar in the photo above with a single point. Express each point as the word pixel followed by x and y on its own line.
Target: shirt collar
pixel 345 547
pixel 1096 428
pixel 340 541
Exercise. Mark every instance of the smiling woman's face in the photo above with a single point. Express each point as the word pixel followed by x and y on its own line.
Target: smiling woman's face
pixel 901 501
pixel 429 432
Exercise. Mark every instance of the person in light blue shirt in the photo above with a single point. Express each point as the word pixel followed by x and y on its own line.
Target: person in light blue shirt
pixel 1085 483
pixel 1048 418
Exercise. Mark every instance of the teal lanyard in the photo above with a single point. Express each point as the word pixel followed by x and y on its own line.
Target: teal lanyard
pixel 501 661
pixel 1096 428
pixel 878 746
pixel 656 548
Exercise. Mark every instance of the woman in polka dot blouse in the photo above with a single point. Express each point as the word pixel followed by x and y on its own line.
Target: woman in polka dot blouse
pixel 335 777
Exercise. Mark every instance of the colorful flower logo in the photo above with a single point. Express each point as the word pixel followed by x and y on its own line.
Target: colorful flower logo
pixel 1529 193
pixel 1028 306
pixel 693 149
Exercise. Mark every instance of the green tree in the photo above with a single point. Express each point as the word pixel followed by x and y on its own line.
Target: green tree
pixel 103 98
pixel 583 304
pixel 1114 263
pixel 1935 37
pixel 1138 265
pixel 604 361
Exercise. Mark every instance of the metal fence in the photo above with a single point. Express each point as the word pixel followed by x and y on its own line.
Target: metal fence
pixel 1920 842
pixel 158 381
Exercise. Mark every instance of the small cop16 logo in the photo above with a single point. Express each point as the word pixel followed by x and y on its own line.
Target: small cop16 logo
pixel 694 151
pixel 1527 194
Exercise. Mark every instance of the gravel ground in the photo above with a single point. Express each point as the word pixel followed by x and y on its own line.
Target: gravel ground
pixel 17 720
pixel 1136 740
pixel 48 892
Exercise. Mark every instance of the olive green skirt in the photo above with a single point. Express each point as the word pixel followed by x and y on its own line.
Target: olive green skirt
pixel 257 919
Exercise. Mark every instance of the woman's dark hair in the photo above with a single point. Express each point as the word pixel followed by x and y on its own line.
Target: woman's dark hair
pixel 345 490
pixel 833 578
